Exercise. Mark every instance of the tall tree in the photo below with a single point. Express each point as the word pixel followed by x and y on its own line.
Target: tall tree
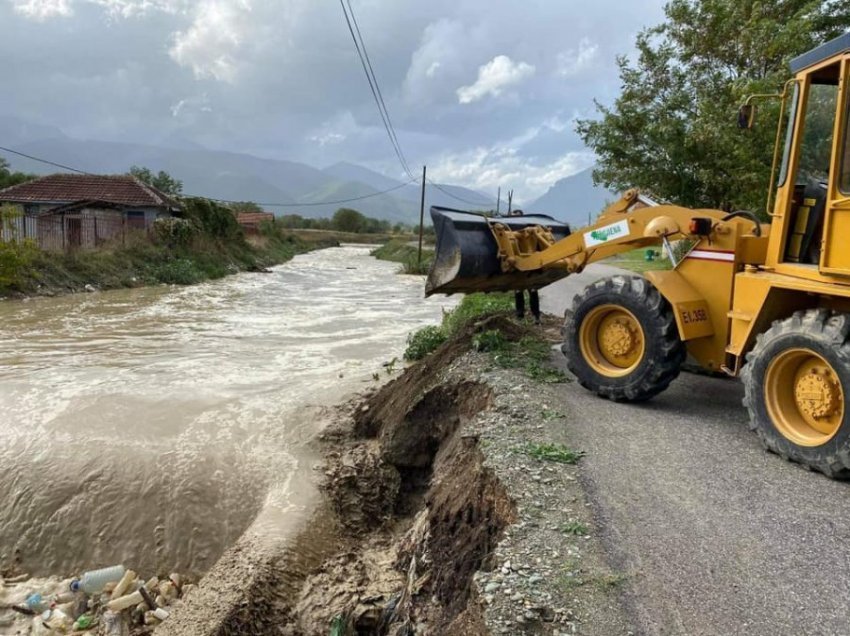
pixel 162 181
pixel 9 178
pixel 672 132
pixel 348 220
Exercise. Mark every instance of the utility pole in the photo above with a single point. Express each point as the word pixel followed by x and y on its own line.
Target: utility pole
pixel 498 200
pixel 422 215
pixel 510 201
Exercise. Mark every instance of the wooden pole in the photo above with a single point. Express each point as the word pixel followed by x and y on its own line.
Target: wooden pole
pixel 422 214
pixel 498 200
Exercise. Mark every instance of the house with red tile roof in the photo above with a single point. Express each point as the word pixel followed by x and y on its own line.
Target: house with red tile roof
pixel 67 211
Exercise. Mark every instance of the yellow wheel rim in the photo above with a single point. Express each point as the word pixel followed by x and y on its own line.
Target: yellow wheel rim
pixel 804 397
pixel 612 341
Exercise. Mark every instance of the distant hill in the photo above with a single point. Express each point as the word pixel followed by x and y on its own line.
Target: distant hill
pixel 450 196
pixel 574 199
pixel 235 176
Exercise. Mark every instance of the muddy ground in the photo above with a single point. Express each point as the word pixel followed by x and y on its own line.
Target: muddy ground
pixel 444 513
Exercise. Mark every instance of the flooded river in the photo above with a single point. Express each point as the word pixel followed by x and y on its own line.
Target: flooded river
pixel 154 426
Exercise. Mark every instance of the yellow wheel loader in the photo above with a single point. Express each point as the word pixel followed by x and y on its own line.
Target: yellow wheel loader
pixel 767 302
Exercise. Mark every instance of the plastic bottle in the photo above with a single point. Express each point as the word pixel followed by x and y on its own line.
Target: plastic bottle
pixel 123 602
pixel 36 602
pixel 58 620
pixel 94 581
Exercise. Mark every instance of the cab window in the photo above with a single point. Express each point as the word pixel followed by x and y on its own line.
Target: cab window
pixel 818 126
pixel 808 206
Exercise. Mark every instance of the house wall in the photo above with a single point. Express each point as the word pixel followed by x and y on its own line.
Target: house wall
pixel 84 228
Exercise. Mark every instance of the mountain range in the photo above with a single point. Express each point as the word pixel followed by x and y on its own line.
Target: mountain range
pixel 284 187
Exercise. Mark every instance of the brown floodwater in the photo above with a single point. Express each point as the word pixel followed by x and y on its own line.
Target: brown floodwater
pixel 153 427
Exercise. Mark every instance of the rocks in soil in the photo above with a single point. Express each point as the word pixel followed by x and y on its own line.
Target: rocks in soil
pixel 363 487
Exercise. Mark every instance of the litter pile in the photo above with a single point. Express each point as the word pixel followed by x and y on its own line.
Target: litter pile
pixel 111 601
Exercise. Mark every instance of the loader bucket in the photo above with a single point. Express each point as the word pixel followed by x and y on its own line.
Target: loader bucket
pixel 466 259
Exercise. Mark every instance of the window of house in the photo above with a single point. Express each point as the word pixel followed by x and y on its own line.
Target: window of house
pixel 136 219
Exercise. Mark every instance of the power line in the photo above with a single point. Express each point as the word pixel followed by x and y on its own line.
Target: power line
pixel 50 163
pixel 315 203
pixel 270 205
pixel 454 196
pixel 373 86
pixel 378 88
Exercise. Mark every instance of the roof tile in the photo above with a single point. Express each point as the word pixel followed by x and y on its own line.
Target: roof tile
pixel 70 188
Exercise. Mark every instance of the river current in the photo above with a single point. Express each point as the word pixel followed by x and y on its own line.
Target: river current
pixel 154 426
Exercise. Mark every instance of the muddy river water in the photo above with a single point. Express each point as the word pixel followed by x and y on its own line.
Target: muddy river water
pixel 154 426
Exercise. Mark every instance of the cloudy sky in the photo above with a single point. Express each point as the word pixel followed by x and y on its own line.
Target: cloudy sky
pixel 483 91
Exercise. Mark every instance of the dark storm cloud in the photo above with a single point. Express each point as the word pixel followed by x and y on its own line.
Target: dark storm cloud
pixel 483 91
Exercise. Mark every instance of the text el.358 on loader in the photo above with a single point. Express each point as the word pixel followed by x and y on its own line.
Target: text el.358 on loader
pixel 768 302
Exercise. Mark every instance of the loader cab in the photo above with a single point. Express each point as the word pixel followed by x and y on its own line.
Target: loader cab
pixel 811 216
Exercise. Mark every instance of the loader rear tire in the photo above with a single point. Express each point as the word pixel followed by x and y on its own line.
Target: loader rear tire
pixel 796 380
pixel 621 339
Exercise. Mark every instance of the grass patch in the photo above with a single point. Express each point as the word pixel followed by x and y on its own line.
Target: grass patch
pixel 401 251
pixel 635 261
pixel 575 528
pixel 423 341
pixel 473 307
pixel 557 453
pixel 532 353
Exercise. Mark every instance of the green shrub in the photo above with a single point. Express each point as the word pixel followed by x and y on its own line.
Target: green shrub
pixel 15 260
pixel 181 271
pixel 412 265
pixel 212 219
pixel 173 232
pixel 491 340
pixel 475 306
pixel 423 341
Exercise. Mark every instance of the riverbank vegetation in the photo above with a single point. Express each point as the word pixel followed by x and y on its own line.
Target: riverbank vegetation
pixel 405 252
pixel 204 243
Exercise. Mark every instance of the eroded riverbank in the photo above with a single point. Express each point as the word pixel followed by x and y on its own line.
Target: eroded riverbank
pixel 446 510
pixel 155 426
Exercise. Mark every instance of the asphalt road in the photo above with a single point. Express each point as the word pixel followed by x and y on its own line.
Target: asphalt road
pixel 714 534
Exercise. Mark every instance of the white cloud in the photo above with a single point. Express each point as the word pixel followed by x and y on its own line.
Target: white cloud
pixel 209 46
pixel 190 106
pixel 488 168
pixel 432 70
pixel 41 10
pixel 134 8
pixel 574 61
pixel 493 78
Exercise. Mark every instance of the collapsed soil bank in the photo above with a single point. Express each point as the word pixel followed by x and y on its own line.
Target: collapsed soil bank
pixel 434 522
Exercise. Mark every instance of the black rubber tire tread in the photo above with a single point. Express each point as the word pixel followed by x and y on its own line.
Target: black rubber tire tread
pixel 827 333
pixel 665 351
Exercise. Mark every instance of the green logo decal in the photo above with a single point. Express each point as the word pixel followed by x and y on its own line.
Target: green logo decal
pixel 605 233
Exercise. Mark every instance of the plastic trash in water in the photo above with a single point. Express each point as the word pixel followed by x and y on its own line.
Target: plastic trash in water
pixel 93 581
pixel 56 619
pixel 115 624
pixel 36 602
pixel 84 622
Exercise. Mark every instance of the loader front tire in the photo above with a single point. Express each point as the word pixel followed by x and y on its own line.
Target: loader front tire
pixel 621 340
pixel 796 381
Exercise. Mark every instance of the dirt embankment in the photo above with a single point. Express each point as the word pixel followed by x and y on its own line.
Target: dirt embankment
pixel 436 521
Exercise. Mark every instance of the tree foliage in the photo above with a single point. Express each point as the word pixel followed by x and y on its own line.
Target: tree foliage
pixel 9 178
pixel 246 207
pixel 671 132
pixel 162 181
pixel 344 220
